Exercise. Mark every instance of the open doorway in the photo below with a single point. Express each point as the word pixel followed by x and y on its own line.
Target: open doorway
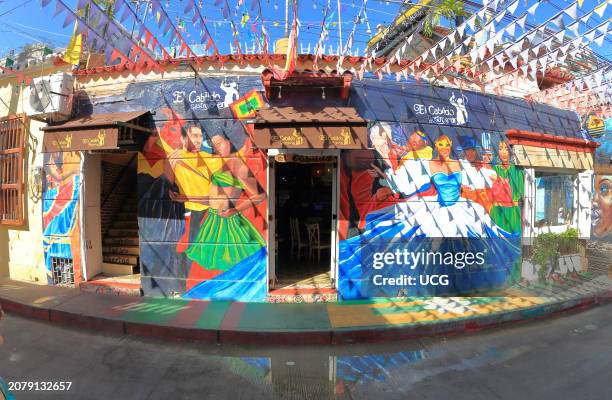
pixel 304 211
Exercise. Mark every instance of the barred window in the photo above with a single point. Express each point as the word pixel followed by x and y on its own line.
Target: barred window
pixel 12 133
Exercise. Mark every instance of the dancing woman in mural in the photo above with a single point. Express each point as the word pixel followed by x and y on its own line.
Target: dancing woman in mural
pixel 447 214
pixel 227 247
pixel 507 190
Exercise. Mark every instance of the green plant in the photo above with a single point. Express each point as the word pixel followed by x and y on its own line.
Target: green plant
pixel 547 248
pixel 568 241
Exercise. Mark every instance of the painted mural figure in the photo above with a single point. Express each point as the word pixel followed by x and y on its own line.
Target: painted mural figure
pixel 460 104
pixel 60 207
pixel 224 246
pixel 602 207
pixel 231 92
pixel 507 191
pixel 441 198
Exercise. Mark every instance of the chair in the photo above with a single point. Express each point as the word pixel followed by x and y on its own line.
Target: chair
pixel 314 241
pixel 296 238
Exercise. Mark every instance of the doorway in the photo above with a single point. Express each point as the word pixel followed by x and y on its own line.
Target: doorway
pixel 304 210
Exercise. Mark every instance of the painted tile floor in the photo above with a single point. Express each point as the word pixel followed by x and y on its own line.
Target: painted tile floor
pixel 223 315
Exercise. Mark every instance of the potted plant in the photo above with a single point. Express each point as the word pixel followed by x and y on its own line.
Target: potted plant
pixel 556 253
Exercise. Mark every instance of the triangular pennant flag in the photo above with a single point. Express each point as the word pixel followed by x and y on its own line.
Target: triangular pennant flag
pixel 558 20
pixel 599 40
pixel 81 4
pixel 68 20
pixel 574 27
pixel 512 7
pixel 125 14
pixel 500 60
pixel 533 9
pixel 559 36
pixel 521 22
pixel 510 29
pixel 45 3
pixel 603 28
pixel 531 36
pixel 59 8
pixel 572 11
pixel 471 22
pixel 461 30
pixel 524 55
pixel 600 9
pixel 590 36
pixel 500 16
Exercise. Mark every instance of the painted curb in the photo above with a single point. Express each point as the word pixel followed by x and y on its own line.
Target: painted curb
pixel 324 337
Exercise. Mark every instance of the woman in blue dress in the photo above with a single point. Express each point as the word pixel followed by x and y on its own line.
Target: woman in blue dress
pixel 445 222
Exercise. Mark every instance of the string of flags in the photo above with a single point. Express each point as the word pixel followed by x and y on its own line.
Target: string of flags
pixel 492 48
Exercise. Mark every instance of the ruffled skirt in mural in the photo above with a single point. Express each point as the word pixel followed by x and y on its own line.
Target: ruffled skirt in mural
pixel 427 225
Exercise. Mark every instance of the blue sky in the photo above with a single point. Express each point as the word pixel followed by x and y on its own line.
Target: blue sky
pixel 25 21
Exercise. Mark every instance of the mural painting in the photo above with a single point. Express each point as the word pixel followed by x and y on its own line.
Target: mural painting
pixel 601 216
pixel 61 226
pixel 202 201
pixel 430 211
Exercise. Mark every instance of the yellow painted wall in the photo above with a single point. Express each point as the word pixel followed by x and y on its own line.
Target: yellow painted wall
pixel 21 248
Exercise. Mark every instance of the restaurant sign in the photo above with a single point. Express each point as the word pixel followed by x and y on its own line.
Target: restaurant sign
pixel 79 140
pixel 312 137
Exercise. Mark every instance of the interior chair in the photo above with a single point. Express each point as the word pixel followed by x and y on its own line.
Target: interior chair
pixel 296 239
pixel 314 241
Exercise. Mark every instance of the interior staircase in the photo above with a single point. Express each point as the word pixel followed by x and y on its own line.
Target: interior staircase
pixel 120 251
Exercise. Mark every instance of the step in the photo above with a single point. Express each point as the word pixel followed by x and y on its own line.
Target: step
pixel 125 224
pixel 114 269
pixel 114 232
pixel 121 241
pixel 124 250
pixel 120 259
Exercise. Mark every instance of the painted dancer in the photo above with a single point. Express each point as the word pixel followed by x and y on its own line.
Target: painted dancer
pixel 507 191
pixel 444 215
pixel 228 252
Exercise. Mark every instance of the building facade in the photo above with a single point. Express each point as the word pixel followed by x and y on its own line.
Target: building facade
pixel 229 185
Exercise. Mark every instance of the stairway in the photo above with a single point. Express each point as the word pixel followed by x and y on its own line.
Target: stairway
pixel 120 250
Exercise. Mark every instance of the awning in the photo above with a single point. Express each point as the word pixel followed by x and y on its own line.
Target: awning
pixel 96 132
pixel 328 128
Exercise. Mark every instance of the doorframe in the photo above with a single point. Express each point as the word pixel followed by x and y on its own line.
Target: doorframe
pixel 335 225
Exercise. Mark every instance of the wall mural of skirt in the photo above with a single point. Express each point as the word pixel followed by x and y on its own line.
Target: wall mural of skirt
pixel 432 210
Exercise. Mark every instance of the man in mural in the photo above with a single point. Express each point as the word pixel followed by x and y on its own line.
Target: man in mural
pixel 416 147
pixel 60 209
pixel 602 208
pixel 227 247
pixel 507 192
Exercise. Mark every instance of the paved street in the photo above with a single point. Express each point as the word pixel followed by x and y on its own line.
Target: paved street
pixel 563 358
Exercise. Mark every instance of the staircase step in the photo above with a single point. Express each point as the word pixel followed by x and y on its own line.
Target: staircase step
pixel 120 259
pixel 123 250
pixel 113 269
pixel 121 241
pixel 125 224
pixel 114 232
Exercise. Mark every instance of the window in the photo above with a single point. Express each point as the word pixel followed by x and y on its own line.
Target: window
pixel 554 199
pixel 12 132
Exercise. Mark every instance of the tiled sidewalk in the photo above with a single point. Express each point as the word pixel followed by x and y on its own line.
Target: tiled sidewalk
pixel 301 323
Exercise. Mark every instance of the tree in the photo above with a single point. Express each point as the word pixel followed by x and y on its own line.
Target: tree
pixel 453 10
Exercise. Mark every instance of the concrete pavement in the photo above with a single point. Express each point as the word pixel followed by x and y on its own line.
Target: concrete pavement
pixel 318 323
pixel 562 358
